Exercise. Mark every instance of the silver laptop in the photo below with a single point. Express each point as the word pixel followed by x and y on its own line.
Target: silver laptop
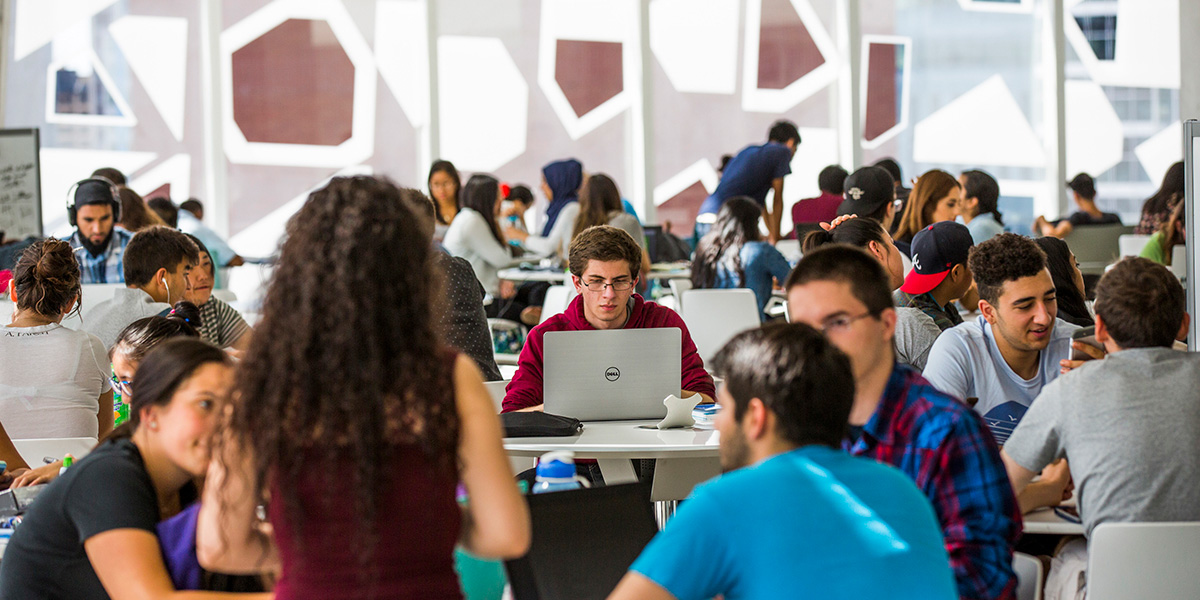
pixel 41 451
pixel 611 375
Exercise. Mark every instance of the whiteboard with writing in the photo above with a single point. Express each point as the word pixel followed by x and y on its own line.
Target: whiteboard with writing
pixel 20 184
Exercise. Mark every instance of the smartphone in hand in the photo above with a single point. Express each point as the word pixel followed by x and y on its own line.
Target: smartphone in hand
pixel 1086 335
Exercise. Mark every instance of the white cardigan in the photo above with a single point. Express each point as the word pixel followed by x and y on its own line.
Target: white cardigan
pixel 470 237
pixel 559 239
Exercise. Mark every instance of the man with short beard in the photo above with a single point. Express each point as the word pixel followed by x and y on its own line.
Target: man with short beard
pixel 793 516
pixel 98 243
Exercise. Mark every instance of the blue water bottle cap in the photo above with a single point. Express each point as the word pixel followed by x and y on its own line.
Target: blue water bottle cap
pixel 555 469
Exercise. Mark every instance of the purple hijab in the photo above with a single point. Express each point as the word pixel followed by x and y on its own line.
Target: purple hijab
pixel 564 178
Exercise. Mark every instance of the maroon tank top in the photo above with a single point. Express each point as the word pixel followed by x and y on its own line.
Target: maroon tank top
pixel 416 528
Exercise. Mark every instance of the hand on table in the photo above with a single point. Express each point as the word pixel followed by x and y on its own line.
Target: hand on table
pixel 43 474
pixel 1057 476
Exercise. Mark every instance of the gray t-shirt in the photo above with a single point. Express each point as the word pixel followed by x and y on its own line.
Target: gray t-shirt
pixel 108 318
pixel 1129 426
pixel 915 335
pixel 966 363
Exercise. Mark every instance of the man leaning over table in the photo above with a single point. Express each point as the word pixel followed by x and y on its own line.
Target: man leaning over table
pixel 1129 422
pixel 900 419
pixel 604 263
pixel 793 516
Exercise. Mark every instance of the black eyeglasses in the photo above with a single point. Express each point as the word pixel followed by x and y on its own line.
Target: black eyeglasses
pixel 598 285
pixel 842 322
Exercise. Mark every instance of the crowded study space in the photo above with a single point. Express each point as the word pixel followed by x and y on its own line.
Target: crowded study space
pixel 599 299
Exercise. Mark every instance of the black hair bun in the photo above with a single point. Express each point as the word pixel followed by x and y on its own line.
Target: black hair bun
pixel 187 312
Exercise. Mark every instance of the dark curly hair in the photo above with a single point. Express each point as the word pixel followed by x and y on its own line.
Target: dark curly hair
pixel 385 380
pixel 1006 257
pixel 47 278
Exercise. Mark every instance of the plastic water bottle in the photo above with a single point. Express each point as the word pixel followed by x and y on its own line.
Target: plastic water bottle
pixel 556 473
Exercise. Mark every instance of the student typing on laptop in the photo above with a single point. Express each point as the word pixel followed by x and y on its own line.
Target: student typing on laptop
pixel 604 263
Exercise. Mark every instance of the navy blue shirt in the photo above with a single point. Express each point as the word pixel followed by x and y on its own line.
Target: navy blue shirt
pixel 750 173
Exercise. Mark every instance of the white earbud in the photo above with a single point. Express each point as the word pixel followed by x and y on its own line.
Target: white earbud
pixel 164 282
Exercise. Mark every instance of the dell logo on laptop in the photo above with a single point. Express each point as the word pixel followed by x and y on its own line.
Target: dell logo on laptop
pixel 612 374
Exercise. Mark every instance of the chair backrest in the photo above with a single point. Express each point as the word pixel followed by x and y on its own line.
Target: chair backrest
pixel 713 317
pixel 1095 246
pixel 678 287
pixel 1178 264
pixel 557 299
pixel 1143 560
pixel 583 541
pixel 1031 576
pixel 790 249
pixel 93 294
pixel 496 390
pixel 1131 244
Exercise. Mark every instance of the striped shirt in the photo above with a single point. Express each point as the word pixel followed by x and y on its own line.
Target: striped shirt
pixel 107 267
pixel 221 324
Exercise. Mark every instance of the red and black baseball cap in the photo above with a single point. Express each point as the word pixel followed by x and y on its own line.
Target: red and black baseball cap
pixel 935 250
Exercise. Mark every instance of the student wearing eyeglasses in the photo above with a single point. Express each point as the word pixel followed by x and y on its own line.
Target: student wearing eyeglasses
pixel 900 419
pixel 604 263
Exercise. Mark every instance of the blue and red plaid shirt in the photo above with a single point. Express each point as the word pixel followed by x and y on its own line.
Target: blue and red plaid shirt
pixel 944 446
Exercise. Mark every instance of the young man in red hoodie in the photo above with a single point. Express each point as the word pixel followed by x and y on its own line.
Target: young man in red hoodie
pixel 604 265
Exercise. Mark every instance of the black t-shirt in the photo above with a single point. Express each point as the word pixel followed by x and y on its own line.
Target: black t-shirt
pixel 108 489
pixel 1080 217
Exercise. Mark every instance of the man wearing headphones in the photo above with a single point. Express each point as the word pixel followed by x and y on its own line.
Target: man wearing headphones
pixel 94 211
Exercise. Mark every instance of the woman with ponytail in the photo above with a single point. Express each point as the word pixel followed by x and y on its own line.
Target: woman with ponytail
pixel 980 207
pixel 54 381
pixel 93 533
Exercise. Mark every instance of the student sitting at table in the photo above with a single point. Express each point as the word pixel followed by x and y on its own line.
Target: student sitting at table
pixel 92 534
pixel 561 181
pixel 734 255
pixel 915 331
pixel 1129 423
pixel 604 269
pixel 793 515
pixel 54 381
pixel 220 324
pixel 1000 361
pixel 157 261
pixel 134 342
pixel 900 419
pixel 363 460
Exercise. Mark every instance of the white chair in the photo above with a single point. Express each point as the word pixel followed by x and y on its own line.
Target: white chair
pixel 1178 264
pixel 92 294
pixel 790 249
pixel 557 299
pixel 1131 245
pixel 713 317
pixel 496 390
pixel 678 287
pixel 1144 560
pixel 1031 576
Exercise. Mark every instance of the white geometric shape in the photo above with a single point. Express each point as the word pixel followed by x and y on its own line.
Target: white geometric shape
pixel 757 99
pixel 125 119
pixel 176 171
pixel 1161 150
pixel 402 55
pixel 483 103
pixel 38 21
pixel 818 149
pixel 1095 141
pixel 361 144
pixel 905 85
pixel 262 237
pixel 700 171
pixel 1146 46
pixel 696 43
pixel 1022 6
pixel 588 20
pixel 156 49
pixel 62 167
pixel 983 127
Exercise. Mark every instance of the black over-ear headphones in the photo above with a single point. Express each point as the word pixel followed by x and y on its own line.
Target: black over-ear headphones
pixel 116 199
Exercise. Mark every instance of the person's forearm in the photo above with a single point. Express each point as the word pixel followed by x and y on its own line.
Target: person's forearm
pixel 1038 494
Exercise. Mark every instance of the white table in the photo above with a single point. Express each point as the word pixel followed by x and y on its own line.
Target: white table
pixel 1044 520
pixel 685 457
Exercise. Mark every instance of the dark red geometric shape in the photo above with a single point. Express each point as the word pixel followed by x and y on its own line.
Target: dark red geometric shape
pixel 884 78
pixel 786 51
pixel 162 191
pixel 589 73
pixel 681 210
pixel 294 85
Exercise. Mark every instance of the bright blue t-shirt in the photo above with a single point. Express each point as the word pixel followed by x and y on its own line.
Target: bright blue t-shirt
pixel 761 262
pixel 750 173
pixel 814 522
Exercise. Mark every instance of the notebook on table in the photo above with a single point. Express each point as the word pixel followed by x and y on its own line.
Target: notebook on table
pixel 613 375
